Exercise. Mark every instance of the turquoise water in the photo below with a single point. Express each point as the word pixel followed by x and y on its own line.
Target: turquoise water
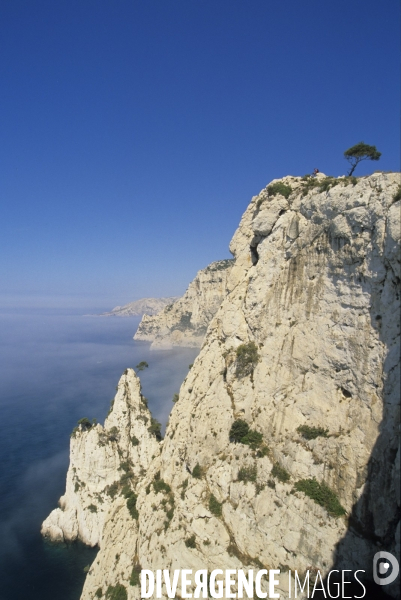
pixel 56 367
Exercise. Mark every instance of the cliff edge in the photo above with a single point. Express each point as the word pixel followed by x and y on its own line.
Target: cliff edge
pixel 103 461
pixel 144 306
pixel 184 322
pixel 283 448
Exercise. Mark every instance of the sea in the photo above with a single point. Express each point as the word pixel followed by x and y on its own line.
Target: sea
pixel 57 366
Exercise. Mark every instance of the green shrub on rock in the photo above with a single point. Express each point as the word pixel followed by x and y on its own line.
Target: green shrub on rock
pixel 252 439
pixel 328 183
pixel 263 451
pixel 311 433
pixel 159 485
pixel 247 474
pixel 215 506
pixel 142 365
pixel 155 428
pixel 280 473
pixel 184 486
pixel 126 479
pixel 322 495
pixel 279 188
pixel 116 592
pixel 239 429
pixel 112 434
pixel 131 505
pixel 112 489
pixel 197 471
pixel 247 357
pixel 135 575
pixel 190 542
pixel 241 433
pixel 83 425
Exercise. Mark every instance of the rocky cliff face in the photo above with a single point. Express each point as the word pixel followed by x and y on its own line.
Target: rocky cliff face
pixel 304 352
pixel 184 322
pixel 102 461
pixel 144 306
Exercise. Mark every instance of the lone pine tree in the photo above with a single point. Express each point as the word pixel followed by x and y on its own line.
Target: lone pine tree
pixel 360 152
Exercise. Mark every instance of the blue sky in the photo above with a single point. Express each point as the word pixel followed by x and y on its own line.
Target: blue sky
pixel 135 132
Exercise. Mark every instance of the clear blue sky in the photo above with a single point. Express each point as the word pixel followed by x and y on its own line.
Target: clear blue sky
pixel 135 132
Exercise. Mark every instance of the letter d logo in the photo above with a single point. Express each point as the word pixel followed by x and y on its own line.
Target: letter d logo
pixel 385 568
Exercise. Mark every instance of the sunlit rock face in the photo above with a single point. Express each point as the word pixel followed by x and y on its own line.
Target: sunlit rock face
pixel 144 306
pixel 99 459
pixel 184 322
pixel 313 296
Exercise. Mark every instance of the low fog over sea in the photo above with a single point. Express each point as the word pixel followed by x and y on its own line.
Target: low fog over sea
pixel 56 367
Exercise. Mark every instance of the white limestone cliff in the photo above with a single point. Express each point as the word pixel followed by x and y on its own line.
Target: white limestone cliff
pixel 315 292
pixel 144 306
pixel 184 322
pixel 102 459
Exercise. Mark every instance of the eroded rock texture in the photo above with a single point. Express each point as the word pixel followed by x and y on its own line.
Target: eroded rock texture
pixel 144 306
pixel 100 458
pixel 315 287
pixel 184 322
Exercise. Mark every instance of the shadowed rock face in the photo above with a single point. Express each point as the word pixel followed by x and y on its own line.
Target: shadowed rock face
pixel 321 306
pixel 184 322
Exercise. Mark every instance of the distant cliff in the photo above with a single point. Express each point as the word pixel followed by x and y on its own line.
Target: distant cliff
pixel 144 306
pixel 184 322
pixel 282 450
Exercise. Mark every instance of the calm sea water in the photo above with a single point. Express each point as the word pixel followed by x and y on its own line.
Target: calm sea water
pixel 56 367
